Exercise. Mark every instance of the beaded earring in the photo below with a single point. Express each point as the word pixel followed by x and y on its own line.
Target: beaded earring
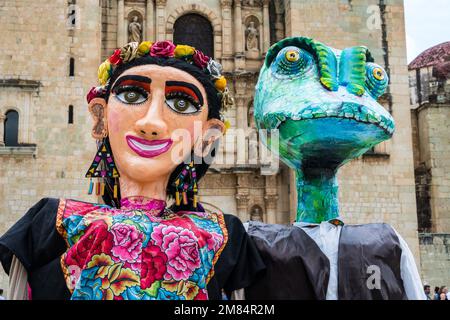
pixel 102 166
pixel 186 181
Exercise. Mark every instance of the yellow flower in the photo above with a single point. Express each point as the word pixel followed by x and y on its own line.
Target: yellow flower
pixel 221 83
pixel 227 126
pixel 183 50
pixel 103 72
pixel 144 47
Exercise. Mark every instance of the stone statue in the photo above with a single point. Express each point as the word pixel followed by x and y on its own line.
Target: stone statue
pixel 256 215
pixel 252 37
pixel 134 30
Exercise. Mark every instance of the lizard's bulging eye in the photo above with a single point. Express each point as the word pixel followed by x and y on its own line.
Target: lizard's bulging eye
pixel 378 73
pixel 376 80
pixel 292 55
pixel 291 62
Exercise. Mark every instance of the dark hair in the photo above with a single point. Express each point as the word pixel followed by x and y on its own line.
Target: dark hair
pixel 214 106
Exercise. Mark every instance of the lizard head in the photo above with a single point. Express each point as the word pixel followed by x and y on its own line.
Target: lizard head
pixel 323 101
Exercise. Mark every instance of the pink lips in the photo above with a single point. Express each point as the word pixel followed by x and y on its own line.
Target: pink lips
pixel 148 148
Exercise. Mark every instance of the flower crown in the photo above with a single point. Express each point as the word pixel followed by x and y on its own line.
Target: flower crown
pixel 167 49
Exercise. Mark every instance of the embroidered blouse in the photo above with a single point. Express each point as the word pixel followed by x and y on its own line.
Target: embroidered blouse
pixel 141 251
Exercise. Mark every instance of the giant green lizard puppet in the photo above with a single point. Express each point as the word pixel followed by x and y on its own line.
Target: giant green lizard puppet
pixel 323 102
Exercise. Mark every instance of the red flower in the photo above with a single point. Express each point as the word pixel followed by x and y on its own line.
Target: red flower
pixel 115 59
pixel 154 263
pixel 93 93
pixel 201 295
pixel 200 59
pixel 162 49
pixel 95 240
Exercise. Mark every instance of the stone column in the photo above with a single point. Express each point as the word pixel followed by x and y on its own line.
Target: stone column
pixel 266 27
pixel 121 25
pixel 150 27
pixel 242 196
pixel 271 198
pixel 2 129
pixel 160 20
pixel 239 60
pixel 227 44
pixel 242 205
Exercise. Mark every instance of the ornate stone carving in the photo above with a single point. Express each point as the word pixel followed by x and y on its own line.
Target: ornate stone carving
pixel 242 200
pixel 226 3
pixel 161 3
pixel 271 201
pixel 252 3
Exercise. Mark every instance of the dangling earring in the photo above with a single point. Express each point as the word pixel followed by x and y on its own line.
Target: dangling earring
pixel 102 166
pixel 186 181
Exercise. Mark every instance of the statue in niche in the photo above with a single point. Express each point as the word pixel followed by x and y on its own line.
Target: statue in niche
pixel 135 30
pixel 252 34
pixel 256 214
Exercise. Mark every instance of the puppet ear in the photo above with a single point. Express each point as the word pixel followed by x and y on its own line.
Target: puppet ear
pixel 97 108
pixel 212 132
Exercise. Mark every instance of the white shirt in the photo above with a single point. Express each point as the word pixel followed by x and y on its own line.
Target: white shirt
pixel 326 236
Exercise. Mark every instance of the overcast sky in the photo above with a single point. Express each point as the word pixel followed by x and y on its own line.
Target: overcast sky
pixel 427 24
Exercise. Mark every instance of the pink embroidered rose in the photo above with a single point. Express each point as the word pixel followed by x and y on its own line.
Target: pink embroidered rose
pixel 181 247
pixel 200 59
pixel 214 241
pixel 127 242
pixel 162 49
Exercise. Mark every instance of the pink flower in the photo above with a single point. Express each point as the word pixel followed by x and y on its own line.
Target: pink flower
pixel 181 247
pixel 127 242
pixel 200 59
pixel 162 49
pixel 215 241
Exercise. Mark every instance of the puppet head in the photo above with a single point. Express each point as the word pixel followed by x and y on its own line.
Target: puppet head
pixel 323 101
pixel 156 104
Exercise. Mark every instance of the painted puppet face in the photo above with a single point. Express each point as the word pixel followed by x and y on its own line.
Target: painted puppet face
pixel 150 118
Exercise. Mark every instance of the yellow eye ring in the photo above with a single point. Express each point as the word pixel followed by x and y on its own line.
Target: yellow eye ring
pixel 292 55
pixel 378 74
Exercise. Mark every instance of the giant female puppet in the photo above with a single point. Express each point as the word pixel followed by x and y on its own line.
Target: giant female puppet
pixel 324 103
pixel 151 99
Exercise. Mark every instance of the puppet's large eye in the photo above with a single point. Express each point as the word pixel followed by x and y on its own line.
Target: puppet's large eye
pixel 182 103
pixel 131 94
pixel 376 79
pixel 291 62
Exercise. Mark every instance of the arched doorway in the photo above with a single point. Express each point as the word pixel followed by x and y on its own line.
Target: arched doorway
pixel 194 30
pixel 11 133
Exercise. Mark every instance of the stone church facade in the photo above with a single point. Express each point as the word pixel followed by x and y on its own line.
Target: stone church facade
pixel 49 61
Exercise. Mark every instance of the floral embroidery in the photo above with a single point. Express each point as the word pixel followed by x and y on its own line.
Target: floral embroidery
pixel 127 242
pixel 181 248
pixel 138 252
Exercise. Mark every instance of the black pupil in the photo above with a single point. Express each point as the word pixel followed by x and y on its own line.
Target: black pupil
pixel 131 96
pixel 181 104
